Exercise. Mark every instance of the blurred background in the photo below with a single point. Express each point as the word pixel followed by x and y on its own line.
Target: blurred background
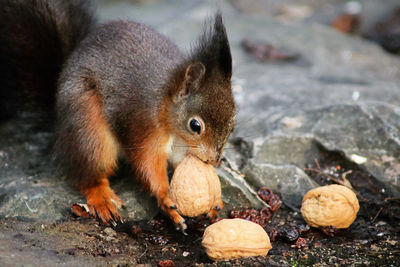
pixel 378 21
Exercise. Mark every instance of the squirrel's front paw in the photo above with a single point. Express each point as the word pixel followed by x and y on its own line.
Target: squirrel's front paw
pixel 169 208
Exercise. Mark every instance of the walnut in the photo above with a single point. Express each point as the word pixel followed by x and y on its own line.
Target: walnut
pixel 235 238
pixel 195 187
pixel 331 205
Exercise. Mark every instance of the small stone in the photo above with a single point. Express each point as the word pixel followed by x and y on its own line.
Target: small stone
pixel 301 243
pixel 358 159
pixel 289 234
pixel 110 232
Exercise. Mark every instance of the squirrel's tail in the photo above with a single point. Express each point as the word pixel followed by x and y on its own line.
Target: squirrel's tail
pixel 36 37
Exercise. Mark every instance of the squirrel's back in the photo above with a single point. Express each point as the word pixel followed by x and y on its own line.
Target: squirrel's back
pixel 36 37
pixel 139 61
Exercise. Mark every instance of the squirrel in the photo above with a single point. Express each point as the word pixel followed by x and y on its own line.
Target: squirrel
pixel 118 89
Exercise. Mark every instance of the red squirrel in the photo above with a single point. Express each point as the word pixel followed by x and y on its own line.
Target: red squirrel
pixel 121 89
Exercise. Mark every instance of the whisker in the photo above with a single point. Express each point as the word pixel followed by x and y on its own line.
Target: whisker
pixel 186 146
pixel 145 146
pixel 136 147
pixel 247 136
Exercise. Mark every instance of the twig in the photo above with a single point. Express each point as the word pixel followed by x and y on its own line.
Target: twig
pixel 391 198
pixel 345 180
pixel 377 214
pixel 144 251
pixel 338 181
pixel 317 163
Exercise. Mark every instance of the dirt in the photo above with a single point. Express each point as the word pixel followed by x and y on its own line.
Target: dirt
pixel 84 241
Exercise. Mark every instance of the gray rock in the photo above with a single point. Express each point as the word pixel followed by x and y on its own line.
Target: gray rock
pixel 31 187
pixel 290 181
pixel 284 150
pixel 369 130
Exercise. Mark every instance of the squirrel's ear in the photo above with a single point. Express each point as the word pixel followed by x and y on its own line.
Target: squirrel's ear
pixel 194 73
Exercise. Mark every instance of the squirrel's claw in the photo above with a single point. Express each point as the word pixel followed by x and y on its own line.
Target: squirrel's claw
pixel 103 204
pixel 181 226
pixel 213 213
pixel 170 209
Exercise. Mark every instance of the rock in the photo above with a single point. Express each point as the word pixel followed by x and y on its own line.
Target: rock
pixel 287 180
pixel 31 187
pixel 293 150
pixel 338 128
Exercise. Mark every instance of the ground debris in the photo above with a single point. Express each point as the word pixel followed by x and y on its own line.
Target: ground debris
pixel 266 52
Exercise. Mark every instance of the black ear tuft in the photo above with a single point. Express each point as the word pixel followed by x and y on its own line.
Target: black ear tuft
pixel 221 39
pixel 213 48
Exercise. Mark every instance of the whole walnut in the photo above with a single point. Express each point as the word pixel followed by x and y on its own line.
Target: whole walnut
pixel 195 187
pixel 235 238
pixel 331 205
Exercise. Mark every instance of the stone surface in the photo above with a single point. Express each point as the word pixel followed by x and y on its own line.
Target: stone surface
pixel 31 187
pixel 288 180
pixel 342 95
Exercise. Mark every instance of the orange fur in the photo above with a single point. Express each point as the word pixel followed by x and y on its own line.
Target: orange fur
pixel 101 199
pixel 151 162
pixel 102 141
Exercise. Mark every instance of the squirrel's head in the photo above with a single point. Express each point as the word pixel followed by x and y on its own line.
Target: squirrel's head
pixel 202 113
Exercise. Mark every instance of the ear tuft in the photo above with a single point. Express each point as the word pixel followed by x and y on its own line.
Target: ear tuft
pixel 213 48
pixel 222 46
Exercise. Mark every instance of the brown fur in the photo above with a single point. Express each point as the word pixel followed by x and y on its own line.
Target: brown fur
pixel 136 95
pixel 36 37
pixel 127 90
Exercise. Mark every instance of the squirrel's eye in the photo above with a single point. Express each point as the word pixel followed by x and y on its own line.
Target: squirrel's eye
pixel 195 126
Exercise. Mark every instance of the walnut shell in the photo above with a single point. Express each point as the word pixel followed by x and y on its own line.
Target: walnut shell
pixel 331 205
pixel 194 187
pixel 235 238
